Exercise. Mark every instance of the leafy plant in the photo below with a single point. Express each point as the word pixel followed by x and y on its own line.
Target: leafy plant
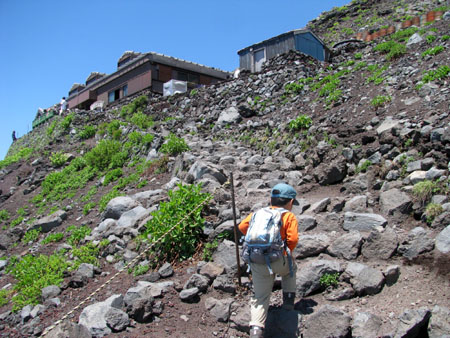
pixel 181 242
pixel 87 132
pixel 4 296
pixel 4 215
pixel 138 105
pixel 193 92
pixel 174 145
pixel 364 166
pixel 31 236
pixel 379 101
pixel 302 122
pixel 424 190
pixel 53 238
pixel 433 51
pixel 33 273
pixel 107 154
pixel 23 153
pixel 77 234
pixel 140 269
pixel 433 210
pixel 85 254
pixel 88 207
pixel 113 175
pixel 329 279
pixel 358 56
pixel 141 120
pixel 209 249
pixel 58 159
pixel 65 123
pixel 432 75
pixel 431 38
pixel 391 48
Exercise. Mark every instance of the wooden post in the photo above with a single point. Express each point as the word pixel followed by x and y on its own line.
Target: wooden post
pixel 236 242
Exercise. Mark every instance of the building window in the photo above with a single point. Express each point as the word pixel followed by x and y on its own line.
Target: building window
pixel 113 95
pixel 125 90
pixel 188 77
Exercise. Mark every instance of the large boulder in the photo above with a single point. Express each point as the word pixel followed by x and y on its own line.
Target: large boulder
pixel 94 316
pixel 328 321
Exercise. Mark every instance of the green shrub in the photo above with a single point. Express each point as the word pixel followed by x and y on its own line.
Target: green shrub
pixel 445 37
pixel 142 120
pixel 33 273
pixel 138 105
pixel 174 145
pixel 424 190
pixel 147 139
pixel 64 184
pixel 77 234
pixel 4 215
pixel 58 159
pixel 135 137
pixel 4 296
pixel 329 279
pixel 79 163
pixel 404 34
pixel 431 38
pixel 140 270
pixel 379 101
pixel 87 132
pixel 209 249
pixel 363 167
pixel 181 242
pixel 65 123
pixel 23 153
pixel 193 92
pixel 106 155
pixel 358 56
pixel 51 128
pixel 302 122
pixel 433 51
pixel 112 176
pixel 432 211
pixel 85 254
pixel 432 75
pixel 391 48
pixel 31 236
pixel 53 238
pixel 88 207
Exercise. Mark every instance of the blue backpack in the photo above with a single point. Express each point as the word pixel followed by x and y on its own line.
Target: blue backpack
pixel 263 243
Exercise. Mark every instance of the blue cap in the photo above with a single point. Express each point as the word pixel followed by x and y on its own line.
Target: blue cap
pixel 284 190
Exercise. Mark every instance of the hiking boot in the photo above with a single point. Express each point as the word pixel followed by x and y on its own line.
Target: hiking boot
pixel 256 332
pixel 288 300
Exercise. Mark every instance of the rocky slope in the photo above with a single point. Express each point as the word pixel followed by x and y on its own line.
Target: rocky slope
pixel 355 137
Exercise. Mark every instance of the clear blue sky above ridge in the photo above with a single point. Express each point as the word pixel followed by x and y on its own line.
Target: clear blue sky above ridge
pixel 47 46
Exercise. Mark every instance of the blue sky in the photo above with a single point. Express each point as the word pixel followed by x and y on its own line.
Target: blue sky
pixel 46 46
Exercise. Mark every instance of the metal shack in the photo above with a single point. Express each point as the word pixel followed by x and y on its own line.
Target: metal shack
pixel 302 40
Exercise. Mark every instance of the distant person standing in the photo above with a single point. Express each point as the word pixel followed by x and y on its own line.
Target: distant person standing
pixel 14 135
pixel 63 105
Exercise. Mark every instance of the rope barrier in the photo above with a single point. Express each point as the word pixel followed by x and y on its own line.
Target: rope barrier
pixel 131 263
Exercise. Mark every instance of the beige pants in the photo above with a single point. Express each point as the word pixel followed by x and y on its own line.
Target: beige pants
pixel 262 287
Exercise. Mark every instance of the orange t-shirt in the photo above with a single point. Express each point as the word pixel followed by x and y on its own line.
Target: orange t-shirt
pixel 288 231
